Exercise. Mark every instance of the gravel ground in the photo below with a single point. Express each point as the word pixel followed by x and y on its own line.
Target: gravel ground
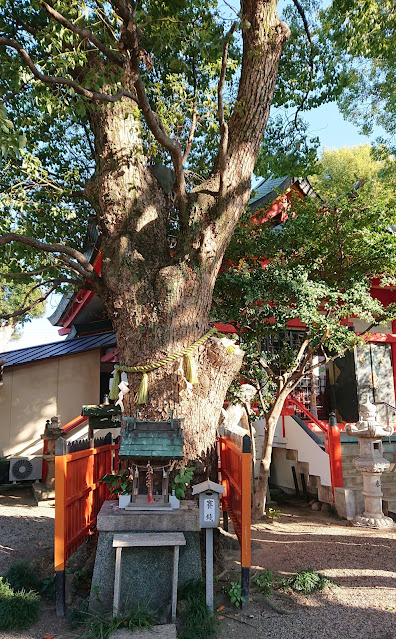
pixel 27 534
pixel 361 562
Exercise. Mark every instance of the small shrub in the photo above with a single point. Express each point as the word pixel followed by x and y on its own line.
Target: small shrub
pixel 264 582
pixel 234 591
pixel 307 582
pixel 182 480
pixel 273 514
pixel 48 588
pixel 18 610
pixel 81 580
pixel 21 576
pixel 198 621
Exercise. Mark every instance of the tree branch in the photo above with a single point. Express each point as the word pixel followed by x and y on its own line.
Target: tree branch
pixel 57 80
pixel 268 370
pixel 311 59
pixel 22 310
pixel 82 266
pixel 155 124
pixel 194 117
pixel 223 148
pixel 123 10
pixel 23 274
pixel 84 34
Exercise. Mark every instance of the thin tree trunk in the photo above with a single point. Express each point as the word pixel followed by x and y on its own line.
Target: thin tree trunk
pixel 260 495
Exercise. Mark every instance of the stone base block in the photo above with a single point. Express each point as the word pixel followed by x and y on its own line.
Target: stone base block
pixel 42 494
pixel 146 573
pixel 325 494
pixel 167 631
pixel 349 502
pixel 365 521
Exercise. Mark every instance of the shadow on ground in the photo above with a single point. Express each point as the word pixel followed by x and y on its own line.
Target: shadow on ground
pixel 361 562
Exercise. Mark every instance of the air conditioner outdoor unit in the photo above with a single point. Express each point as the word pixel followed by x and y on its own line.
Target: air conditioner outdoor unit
pixel 25 468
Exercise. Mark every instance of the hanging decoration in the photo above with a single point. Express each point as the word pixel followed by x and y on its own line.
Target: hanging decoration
pixel 191 366
pixel 123 390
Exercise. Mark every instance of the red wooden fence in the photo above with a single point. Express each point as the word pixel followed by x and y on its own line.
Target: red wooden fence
pixel 79 495
pixel 235 469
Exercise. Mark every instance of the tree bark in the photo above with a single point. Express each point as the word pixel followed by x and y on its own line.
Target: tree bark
pixel 260 496
pixel 160 303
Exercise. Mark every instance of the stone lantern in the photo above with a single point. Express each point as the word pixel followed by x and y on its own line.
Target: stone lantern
pixel 371 463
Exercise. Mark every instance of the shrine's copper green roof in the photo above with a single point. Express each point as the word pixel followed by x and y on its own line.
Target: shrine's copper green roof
pixel 158 440
pixel 100 410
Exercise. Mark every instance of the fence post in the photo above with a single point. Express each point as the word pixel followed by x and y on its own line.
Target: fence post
pixel 334 451
pixel 245 518
pixel 60 524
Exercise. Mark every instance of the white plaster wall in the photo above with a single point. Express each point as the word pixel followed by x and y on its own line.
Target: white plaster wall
pixel 281 469
pixel 295 439
pixel 308 451
pixel 34 392
pixel 360 326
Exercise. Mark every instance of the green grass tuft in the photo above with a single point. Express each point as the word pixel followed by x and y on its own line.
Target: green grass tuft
pixel 198 622
pixel 307 582
pixel 18 610
pixel 21 576
pixel 101 626
pixel 264 582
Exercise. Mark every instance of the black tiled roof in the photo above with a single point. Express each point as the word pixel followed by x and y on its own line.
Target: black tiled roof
pixel 58 349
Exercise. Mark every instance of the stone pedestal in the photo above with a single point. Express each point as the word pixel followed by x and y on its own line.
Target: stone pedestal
pixel 371 463
pixel 146 573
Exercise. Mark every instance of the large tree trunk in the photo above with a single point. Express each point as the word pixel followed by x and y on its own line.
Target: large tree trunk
pixel 160 303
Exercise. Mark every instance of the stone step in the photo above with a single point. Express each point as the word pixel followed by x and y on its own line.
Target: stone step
pixel 390 505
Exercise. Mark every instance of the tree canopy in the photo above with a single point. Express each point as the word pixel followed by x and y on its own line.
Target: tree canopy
pixel 340 171
pixel 362 36
pixel 316 268
pixel 150 116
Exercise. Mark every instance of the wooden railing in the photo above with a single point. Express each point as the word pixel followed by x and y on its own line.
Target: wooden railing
pixel 79 495
pixel 235 471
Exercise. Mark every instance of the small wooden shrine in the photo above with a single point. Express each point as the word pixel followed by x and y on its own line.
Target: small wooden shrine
pixel 150 447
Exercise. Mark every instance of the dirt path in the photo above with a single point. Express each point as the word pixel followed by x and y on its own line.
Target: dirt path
pixel 27 534
pixel 361 562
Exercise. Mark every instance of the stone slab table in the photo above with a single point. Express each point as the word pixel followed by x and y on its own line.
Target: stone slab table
pixel 146 576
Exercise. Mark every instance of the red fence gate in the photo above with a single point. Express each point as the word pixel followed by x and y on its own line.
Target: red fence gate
pixel 235 470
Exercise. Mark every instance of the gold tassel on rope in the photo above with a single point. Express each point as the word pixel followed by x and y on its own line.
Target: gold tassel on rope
pixel 141 395
pixel 114 387
pixel 192 374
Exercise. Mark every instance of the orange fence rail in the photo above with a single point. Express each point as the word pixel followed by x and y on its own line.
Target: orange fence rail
pixel 235 471
pixel 79 495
